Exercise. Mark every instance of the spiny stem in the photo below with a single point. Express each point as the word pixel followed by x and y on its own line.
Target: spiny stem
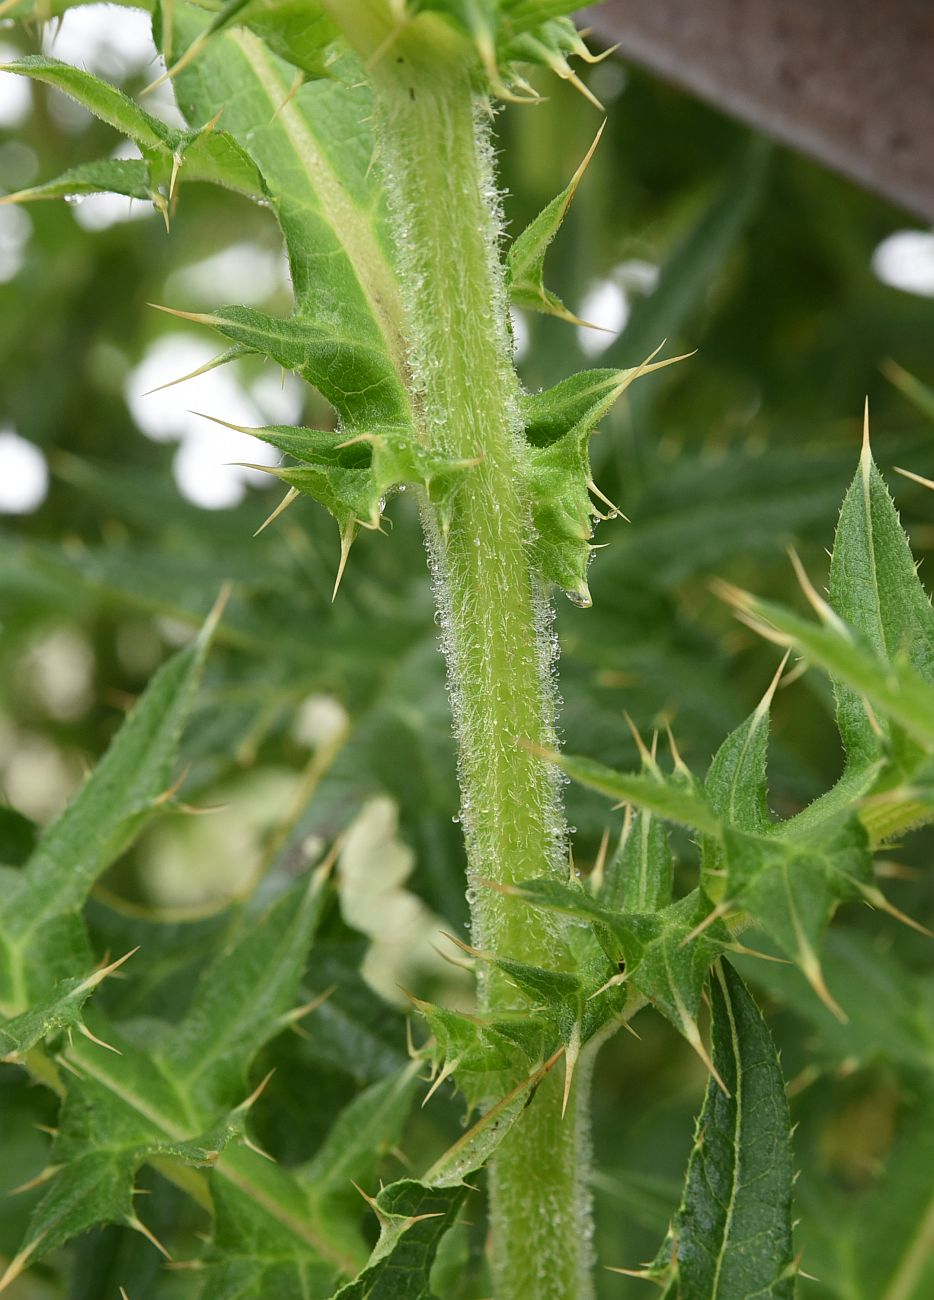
pixel 435 153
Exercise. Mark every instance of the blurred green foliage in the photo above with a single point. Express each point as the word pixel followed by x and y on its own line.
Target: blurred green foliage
pixel 721 462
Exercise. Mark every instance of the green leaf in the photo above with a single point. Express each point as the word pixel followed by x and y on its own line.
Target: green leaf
pixel 791 886
pixel 184 1096
pixel 114 176
pixel 365 1129
pixel 353 477
pixel 639 876
pixel 731 1237
pixel 101 99
pixel 244 998
pixel 875 589
pixel 664 955
pixel 206 155
pixel 525 261
pixel 255 1254
pixel 295 30
pixel 258 1253
pixel 486 1056
pixel 41 938
pixel 894 690
pixel 60 1011
pixel 675 802
pixel 736 785
pixel 524 15
pixel 314 149
pixel 413 1218
pixel 414 1215
pixel 558 424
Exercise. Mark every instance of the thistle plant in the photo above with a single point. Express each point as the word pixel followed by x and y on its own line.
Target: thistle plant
pixel 366 127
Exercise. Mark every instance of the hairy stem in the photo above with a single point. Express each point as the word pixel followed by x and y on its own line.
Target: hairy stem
pixel 435 153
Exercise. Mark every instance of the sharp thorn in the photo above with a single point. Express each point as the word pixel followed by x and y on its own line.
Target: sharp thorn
pixel 299 1013
pixel 19 1262
pixel 720 910
pixel 347 536
pixel 571 1053
pixel 916 478
pixel 47 1174
pixel 83 1029
pixel 876 898
pixel 255 1094
pixel 283 505
pixel 199 317
pixel 255 1147
pixel 102 973
pixel 138 1226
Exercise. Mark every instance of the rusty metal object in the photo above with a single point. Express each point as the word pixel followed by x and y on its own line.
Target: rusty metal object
pixel 850 82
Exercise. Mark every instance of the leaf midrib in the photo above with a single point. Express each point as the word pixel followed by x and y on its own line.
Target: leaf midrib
pixel 738 1104
pixel 226 1167
pixel 351 226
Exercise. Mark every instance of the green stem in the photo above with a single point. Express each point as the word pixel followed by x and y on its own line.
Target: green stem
pixel 436 156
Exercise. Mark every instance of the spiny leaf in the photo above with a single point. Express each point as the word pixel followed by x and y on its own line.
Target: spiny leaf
pixel 353 372
pixel 507 32
pixel 242 996
pixel 315 150
pixel 487 1056
pixel 60 1011
pixel 253 1253
pixel 792 885
pixel 559 423
pixel 42 938
pixel 664 955
pixel 674 802
pixel 875 589
pixel 352 477
pixel 731 1237
pixel 119 1111
pixel 550 45
pixel 639 876
pixel 414 1215
pixel 257 1253
pixel 413 1219
pixel 205 154
pixel 129 177
pixel 185 1095
pixel 364 1130
pixel 736 784
pixel 896 690
pixel 103 100
pixel 298 31
pixel 525 262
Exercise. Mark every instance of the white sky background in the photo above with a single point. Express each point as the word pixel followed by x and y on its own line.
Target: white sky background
pixel 115 42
